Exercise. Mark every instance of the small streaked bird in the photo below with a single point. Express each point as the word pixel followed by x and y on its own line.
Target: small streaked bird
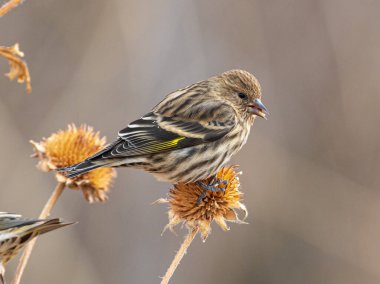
pixel 190 134
pixel 16 232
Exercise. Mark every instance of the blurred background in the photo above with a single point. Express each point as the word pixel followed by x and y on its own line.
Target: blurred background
pixel 311 172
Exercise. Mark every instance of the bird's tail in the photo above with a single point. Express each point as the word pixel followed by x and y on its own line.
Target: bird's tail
pixel 79 169
pixel 27 229
pixel 45 226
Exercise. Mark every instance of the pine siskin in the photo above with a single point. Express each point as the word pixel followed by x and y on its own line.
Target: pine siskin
pixel 16 232
pixel 189 135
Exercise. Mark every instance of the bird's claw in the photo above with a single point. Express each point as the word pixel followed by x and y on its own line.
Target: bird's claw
pixel 212 186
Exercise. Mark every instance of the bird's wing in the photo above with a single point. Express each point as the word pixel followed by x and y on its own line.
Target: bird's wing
pixel 154 133
pixel 8 221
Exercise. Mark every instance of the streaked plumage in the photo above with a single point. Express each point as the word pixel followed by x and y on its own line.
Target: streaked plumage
pixel 16 232
pixel 190 134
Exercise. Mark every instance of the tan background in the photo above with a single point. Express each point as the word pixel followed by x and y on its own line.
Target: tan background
pixel 311 172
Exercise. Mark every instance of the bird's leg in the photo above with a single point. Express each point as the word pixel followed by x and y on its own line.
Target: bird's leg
pixel 212 186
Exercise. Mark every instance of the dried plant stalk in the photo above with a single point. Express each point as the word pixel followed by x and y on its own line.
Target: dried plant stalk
pixel 6 7
pixel 61 149
pixel 180 254
pixel 18 67
pixel 29 247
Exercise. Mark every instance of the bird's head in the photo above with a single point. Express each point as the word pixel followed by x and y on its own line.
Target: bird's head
pixel 242 90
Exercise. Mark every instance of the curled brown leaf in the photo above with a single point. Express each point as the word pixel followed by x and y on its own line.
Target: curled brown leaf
pixel 18 67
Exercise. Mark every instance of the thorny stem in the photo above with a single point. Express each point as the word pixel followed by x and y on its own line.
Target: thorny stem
pixel 5 8
pixel 44 214
pixel 180 254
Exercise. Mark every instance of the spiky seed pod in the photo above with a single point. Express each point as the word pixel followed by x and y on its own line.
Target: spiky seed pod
pixel 216 206
pixel 66 147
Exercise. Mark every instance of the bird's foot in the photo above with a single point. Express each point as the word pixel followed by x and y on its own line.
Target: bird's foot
pixel 212 186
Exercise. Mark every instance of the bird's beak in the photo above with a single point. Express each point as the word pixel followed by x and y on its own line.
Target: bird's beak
pixel 258 108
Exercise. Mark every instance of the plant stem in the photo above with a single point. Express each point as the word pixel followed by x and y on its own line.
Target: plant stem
pixel 178 257
pixel 5 8
pixel 44 214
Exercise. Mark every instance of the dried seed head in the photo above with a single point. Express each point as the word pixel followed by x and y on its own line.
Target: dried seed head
pixel 216 206
pixel 67 147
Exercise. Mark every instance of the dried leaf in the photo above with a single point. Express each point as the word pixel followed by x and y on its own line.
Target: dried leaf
pixel 18 68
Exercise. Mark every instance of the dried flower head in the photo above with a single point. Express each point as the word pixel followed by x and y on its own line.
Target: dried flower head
pixel 67 147
pixel 18 68
pixel 184 206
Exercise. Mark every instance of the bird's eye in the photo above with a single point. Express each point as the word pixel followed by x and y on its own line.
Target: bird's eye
pixel 242 96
